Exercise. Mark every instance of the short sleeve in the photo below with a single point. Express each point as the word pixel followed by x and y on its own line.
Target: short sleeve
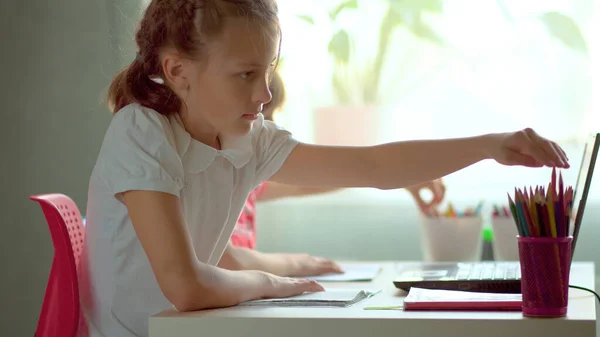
pixel 272 147
pixel 137 153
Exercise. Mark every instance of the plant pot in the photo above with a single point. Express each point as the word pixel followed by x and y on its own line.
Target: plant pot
pixel 346 125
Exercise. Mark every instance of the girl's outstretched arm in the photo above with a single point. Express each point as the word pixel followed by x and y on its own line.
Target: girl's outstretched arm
pixel 402 164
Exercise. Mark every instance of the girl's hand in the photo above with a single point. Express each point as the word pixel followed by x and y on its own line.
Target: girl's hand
pixel 438 190
pixel 281 287
pixel 525 148
pixel 307 265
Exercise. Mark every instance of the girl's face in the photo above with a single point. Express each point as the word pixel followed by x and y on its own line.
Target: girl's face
pixel 228 88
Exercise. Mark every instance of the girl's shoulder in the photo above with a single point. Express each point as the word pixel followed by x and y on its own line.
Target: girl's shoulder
pixel 138 116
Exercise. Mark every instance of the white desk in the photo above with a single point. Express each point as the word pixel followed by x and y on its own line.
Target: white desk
pixel 356 322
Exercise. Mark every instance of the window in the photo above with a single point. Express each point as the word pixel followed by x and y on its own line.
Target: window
pixel 473 67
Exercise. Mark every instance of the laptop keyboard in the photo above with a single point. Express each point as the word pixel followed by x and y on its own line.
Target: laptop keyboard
pixel 489 271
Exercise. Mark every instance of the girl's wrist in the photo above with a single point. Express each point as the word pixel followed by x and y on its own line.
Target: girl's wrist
pixel 486 145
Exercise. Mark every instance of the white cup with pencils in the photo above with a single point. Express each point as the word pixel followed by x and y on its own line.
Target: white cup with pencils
pixel 452 236
pixel 504 245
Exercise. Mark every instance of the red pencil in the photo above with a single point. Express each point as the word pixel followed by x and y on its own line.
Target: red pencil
pixel 560 211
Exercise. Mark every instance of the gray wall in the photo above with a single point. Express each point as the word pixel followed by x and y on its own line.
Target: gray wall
pixel 57 59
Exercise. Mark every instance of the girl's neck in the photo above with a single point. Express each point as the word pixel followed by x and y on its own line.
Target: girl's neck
pixel 208 136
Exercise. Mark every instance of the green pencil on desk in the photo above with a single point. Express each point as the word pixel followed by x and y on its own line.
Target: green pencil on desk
pixel 389 307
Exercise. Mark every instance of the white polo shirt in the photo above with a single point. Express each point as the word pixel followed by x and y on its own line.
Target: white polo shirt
pixel 143 150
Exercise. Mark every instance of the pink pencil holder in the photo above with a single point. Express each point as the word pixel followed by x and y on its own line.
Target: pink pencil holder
pixel 545 267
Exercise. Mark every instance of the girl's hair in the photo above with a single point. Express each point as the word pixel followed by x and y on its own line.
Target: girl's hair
pixel 278 96
pixel 187 26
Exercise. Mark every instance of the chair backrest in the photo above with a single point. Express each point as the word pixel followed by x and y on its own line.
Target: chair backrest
pixel 61 314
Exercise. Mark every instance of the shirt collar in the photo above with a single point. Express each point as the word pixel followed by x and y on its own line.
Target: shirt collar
pixel 197 156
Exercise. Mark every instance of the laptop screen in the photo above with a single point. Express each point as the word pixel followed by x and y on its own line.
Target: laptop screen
pixel 584 168
pixel 582 187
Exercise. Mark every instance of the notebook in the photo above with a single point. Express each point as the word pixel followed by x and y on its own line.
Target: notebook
pixel 435 299
pixel 327 298
pixel 494 277
pixel 353 272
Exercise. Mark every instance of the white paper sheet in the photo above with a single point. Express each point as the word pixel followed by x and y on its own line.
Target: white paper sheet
pixel 329 297
pixel 353 272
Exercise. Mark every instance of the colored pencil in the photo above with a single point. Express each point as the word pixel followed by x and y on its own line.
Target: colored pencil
pixel 545 211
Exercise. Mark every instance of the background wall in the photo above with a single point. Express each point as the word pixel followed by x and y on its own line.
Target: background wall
pixel 57 58
pixel 350 225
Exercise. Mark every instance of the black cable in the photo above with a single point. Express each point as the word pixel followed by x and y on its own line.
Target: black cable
pixel 586 289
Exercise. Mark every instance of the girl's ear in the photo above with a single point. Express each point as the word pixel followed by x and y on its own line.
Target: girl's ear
pixel 174 69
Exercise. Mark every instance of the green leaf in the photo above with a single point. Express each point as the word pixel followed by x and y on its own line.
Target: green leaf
pixel 433 6
pixel 306 18
pixel 342 92
pixel 564 29
pixel 339 46
pixel 344 5
pixel 423 31
pixel 390 21
pixel 370 89
pixel 392 18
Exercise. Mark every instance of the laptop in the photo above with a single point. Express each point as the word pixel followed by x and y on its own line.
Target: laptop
pixel 495 277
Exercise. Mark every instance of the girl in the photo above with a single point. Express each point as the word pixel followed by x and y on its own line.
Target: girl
pixel 187 144
pixel 243 238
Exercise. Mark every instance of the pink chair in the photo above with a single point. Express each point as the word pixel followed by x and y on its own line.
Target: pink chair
pixel 61 314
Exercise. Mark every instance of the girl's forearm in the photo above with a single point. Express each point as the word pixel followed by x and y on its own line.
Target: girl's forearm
pixel 239 258
pixel 403 164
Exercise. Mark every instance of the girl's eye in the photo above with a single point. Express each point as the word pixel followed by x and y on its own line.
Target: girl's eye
pixel 247 75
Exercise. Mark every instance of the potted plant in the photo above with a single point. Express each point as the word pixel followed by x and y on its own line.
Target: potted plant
pixel 353 119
